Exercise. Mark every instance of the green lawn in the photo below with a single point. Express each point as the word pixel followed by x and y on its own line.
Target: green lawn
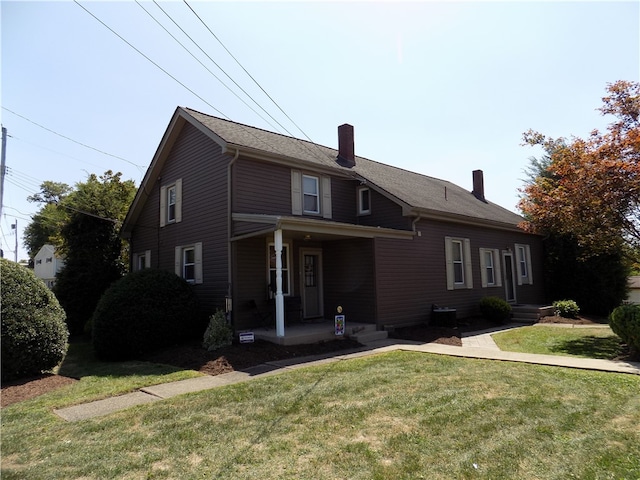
pixel 400 415
pixel 599 343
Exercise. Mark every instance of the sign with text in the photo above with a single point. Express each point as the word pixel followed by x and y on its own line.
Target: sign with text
pixel 339 323
pixel 246 337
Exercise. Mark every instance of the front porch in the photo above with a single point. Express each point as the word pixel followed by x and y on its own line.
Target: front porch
pixel 321 331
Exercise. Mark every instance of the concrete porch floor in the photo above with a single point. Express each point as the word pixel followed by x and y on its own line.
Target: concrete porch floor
pixel 313 332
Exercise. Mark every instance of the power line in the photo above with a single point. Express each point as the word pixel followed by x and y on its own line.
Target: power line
pixel 71 139
pixel 245 71
pixel 197 59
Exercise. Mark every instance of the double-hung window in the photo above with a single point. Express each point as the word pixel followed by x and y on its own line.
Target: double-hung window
pixel 188 262
pixel 310 194
pixel 171 203
pixel 490 267
pixel 272 269
pixel 523 264
pixel 458 263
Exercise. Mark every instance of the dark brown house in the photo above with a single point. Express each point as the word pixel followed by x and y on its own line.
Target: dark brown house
pixel 260 222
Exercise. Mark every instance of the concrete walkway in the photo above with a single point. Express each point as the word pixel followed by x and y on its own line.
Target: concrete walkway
pixel 478 345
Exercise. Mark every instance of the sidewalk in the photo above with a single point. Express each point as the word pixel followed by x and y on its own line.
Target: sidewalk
pixel 478 345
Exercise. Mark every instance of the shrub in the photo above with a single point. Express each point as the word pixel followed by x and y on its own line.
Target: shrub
pixel 495 309
pixel 34 333
pixel 218 334
pixel 566 308
pixel 625 322
pixel 142 312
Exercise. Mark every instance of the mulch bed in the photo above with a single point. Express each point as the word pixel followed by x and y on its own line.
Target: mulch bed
pixel 238 357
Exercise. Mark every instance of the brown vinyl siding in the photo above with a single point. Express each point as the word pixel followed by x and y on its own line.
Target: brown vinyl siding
pixel 349 279
pixel 343 200
pixel 384 213
pixel 411 275
pixel 261 188
pixel 249 281
pixel 200 164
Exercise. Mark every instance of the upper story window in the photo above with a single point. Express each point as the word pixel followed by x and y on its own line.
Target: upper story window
pixel 458 263
pixel 490 267
pixel 311 194
pixel 171 203
pixel 364 201
pixel 523 264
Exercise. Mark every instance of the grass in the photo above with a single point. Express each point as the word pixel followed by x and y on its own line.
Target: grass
pixel 599 342
pixel 400 415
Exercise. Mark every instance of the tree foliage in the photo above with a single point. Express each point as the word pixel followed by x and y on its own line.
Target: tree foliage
pixel 46 225
pixel 91 245
pixel 590 188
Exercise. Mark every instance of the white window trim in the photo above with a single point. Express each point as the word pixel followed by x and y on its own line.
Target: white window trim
pixel 523 255
pixel 164 208
pixel 497 271
pixel 297 195
pixel 361 210
pixel 286 253
pixel 466 260
pixel 147 260
pixel 179 261
pixel 306 194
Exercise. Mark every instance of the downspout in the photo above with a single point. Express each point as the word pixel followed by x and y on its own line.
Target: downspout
pixel 414 223
pixel 229 303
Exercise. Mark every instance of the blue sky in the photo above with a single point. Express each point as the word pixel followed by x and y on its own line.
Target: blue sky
pixel 437 88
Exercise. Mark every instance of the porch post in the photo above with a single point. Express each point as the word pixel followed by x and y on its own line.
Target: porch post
pixel 279 297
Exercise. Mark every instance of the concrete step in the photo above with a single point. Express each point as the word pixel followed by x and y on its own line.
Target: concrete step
pixel 368 336
pixel 529 313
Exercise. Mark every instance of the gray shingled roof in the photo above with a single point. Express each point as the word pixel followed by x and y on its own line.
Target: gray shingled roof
pixel 417 191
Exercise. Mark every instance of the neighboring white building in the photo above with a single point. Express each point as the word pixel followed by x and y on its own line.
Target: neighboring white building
pixel 634 289
pixel 46 264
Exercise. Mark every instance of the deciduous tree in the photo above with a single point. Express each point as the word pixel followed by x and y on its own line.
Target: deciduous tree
pixel 590 188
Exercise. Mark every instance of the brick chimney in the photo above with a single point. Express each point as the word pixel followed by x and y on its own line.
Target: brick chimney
pixel 346 152
pixel 478 185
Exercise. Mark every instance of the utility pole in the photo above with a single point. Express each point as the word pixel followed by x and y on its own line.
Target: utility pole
pixel 2 167
pixel 15 227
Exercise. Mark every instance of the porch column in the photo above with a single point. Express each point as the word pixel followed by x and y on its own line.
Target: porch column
pixel 277 238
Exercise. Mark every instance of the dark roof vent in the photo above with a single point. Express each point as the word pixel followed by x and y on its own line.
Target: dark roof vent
pixel 478 185
pixel 346 151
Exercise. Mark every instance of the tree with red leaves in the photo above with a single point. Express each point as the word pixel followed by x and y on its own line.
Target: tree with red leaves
pixel 589 188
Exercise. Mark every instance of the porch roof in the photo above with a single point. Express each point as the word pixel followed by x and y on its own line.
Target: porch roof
pixel 319 229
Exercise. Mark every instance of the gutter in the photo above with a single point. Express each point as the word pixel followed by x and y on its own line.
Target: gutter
pixel 229 223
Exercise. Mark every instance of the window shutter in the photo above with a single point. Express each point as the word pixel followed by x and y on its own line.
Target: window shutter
pixel 449 262
pixel 178 261
pixel 527 250
pixel 326 197
pixel 198 265
pixel 296 193
pixel 467 263
pixel 163 206
pixel 147 259
pixel 178 200
pixel 518 269
pixel 497 271
pixel 483 268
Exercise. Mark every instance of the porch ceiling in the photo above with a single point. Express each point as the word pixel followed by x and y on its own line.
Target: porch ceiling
pixel 302 227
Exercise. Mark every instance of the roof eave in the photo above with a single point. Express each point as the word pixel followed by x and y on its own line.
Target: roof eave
pixel 428 214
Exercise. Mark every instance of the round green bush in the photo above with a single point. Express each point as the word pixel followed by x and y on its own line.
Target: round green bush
pixel 34 332
pixel 566 308
pixel 625 322
pixel 495 309
pixel 144 311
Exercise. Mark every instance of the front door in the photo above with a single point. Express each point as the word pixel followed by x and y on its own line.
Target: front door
pixel 311 283
pixel 509 277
